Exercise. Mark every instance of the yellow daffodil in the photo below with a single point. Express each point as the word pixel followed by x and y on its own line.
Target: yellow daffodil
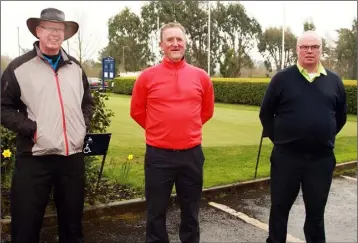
pixel 6 153
pixel 130 157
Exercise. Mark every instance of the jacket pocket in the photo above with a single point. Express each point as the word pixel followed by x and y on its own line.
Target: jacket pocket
pixel 76 132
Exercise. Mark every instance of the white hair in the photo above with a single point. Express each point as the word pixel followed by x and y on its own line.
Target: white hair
pixel 309 34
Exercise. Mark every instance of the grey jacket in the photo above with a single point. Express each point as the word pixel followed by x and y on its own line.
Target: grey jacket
pixel 50 110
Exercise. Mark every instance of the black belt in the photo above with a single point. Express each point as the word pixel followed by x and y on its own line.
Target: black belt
pixel 174 150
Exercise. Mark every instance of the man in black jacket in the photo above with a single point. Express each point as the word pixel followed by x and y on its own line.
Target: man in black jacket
pixel 303 110
pixel 46 101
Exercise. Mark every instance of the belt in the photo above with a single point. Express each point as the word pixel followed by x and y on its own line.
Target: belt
pixel 174 150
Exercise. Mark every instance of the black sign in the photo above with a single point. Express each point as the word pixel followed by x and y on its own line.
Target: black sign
pixel 96 144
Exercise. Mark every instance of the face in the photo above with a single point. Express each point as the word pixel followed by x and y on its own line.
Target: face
pixel 309 50
pixel 173 43
pixel 51 36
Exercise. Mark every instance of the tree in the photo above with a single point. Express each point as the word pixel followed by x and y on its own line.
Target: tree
pixel 24 50
pixel 194 18
pixel 346 51
pixel 329 58
pixel 308 25
pixel 270 47
pixel 128 44
pixel 238 33
pixel 92 68
pixel 196 24
pixel 83 45
pixel 231 66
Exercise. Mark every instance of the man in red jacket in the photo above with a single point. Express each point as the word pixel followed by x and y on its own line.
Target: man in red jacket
pixel 172 101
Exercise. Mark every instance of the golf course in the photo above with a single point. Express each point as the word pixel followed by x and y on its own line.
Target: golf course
pixel 230 143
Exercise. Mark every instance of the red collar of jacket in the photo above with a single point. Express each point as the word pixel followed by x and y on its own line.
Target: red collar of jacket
pixel 173 65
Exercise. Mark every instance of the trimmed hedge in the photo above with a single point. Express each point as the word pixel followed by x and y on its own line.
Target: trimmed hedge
pixel 237 92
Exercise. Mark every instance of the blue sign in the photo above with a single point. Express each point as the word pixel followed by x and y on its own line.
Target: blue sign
pixel 108 68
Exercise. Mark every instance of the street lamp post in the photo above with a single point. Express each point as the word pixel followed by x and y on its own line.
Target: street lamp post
pixel 18 39
pixel 209 10
pixel 123 57
pixel 283 36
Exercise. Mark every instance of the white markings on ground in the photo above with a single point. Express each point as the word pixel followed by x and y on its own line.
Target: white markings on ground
pixel 249 220
pixel 349 178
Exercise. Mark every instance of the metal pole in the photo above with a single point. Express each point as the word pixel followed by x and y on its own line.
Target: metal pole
pixel 123 58
pixel 209 37
pixel 68 47
pixel 100 172
pixel 18 39
pixel 157 53
pixel 124 69
pixel 283 36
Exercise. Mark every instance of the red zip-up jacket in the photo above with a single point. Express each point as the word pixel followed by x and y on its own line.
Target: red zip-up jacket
pixel 172 101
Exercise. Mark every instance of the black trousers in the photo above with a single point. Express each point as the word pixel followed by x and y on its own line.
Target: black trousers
pixel 163 169
pixel 289 172
pixel 33 179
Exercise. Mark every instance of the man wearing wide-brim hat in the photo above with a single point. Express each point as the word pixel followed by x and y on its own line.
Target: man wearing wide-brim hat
pixel 55 16
pixel 46 101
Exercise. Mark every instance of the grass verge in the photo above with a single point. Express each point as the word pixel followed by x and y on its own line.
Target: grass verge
pixel 230 142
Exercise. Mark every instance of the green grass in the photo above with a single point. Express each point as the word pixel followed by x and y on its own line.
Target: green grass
pixel 230 142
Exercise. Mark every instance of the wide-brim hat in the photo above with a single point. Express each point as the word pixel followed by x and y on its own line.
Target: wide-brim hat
pixel 53 15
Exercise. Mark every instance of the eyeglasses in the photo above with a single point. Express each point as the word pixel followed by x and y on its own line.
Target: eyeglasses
pixel 313 47
pixel 51 29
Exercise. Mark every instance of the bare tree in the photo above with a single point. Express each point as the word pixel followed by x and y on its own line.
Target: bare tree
pixel 24 50
pixel 84 44
pixel 329 59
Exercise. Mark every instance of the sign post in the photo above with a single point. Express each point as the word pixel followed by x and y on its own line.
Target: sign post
pixel 97 144
pixel 108 69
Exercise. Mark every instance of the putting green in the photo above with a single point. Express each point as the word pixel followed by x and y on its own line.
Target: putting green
pixel 231 125
pixel 230 143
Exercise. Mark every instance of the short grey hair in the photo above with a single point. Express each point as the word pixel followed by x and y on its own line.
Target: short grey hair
pixel 309 33
pixel 171 25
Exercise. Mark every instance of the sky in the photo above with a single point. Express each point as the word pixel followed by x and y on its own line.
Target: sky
pixel 93 17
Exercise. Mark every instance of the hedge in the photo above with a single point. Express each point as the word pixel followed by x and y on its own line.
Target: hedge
pixel 247 92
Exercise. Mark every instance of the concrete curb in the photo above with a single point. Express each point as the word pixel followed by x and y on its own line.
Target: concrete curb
pixel 138 204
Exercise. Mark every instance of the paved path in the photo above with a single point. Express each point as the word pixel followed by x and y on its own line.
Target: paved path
pixel 340 217
pixel 235 218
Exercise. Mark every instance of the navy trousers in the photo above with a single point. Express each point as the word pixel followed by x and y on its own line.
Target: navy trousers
pixel 289 172
pixel 163 169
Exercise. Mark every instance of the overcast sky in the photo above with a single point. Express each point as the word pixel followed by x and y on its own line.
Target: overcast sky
pixel 93 16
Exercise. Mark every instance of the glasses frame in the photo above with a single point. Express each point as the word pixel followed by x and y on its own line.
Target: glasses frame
pixel 51 29
pixel 312 47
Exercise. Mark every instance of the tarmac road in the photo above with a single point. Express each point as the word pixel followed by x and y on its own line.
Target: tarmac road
pixel 340 216
pixel 245 219
pixel 216 226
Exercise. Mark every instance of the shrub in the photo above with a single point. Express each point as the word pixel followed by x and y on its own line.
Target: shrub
pixel 100 122
pixel 351 92
pixel 241 91
pixel 8 141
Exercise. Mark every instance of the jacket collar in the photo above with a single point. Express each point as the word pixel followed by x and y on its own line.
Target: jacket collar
pixel 173 65
pixel 63 54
